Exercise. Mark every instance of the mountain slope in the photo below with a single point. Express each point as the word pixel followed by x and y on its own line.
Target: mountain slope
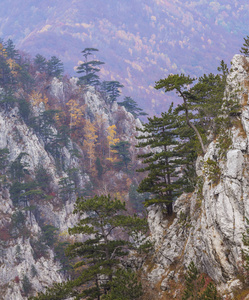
pixel 140 41
pixel 210 223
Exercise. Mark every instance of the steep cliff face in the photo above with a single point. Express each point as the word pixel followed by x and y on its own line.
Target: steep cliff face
pixel 19 257
pixel 209 223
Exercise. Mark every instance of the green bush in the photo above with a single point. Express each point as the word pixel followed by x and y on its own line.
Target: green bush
pixel 26 285
pixel 197 287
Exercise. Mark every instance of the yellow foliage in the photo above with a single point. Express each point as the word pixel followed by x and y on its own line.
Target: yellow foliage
pixel 64 233
pixel 13 66
pixel 3 51
pixel 90 140
pixel 37 98
pixel 119 196
pixel 112 140
pixel 76 112
pixel 60 117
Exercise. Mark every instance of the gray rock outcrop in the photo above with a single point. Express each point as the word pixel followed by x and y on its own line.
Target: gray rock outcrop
pixel 209 223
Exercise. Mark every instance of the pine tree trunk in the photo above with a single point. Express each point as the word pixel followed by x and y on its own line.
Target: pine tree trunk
pixel 191 125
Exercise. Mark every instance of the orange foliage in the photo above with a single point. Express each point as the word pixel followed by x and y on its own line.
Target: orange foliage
pixel 37 98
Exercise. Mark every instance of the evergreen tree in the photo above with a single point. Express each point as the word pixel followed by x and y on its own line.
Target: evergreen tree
pixel 26 285
pixel 11 50
pixel 245 48
pixel 137 199
pixel 67 187
pixel 43 178
pixel 202 103
pixel 49 233
pixel 40 63
pixel 162 161
pixel 8 98
pixel 4 152
pixel 122 151
pixel 18 168
pixel 132 107
pixel 89 69
pixel 124 286
pixel 100 255
pixel 6 78
pixel 207 99
pixel 181 83
pixel 112 88
pixel 99 167
pixel 196 288
pixel 54 67
pixel 88 51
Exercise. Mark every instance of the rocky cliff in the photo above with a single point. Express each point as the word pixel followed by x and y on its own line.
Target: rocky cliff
pixel 24 268
pixel 209 223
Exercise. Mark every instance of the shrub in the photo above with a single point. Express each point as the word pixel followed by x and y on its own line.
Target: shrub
pixel 33 271
pixel 26 285
pixel 213 171
pixel 43 178
pixel 198 286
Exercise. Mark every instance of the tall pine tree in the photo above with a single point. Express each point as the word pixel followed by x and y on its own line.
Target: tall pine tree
pixel 161 162
pixel 100 255
pixel 89 69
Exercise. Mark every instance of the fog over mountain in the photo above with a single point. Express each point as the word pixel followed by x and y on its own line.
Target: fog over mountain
pixel 139 41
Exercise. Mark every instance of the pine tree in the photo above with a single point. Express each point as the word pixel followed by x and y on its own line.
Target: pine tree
pixel 54 67
pixel 162 161
pixel 89 69
pixel 100 255
pixel 26 285
pixel 11 50
pixel 181 84
pixel 202 102
pixel 122 152
pixel 40 63
pixel 124 286
pixel 88 51
pixel 112 89
pixel 245 48
pixel 196 288
pixel 207 99
pixel 132 107
pixel 18 168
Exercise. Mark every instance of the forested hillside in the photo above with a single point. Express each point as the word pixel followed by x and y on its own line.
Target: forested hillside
pixel 61 138
pixel 140 41
pixel 81 176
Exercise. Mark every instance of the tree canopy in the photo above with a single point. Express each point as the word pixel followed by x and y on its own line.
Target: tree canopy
pixel 176 138
pixel 132 107
pixel 89 69
pixel 99 257
pixel 161 162
pixel 245 48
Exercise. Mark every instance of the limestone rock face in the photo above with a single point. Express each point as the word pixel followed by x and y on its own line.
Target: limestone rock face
pixel 208 226
pixel 18 257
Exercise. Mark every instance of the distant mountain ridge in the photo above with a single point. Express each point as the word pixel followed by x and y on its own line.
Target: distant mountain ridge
pixel 140 41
